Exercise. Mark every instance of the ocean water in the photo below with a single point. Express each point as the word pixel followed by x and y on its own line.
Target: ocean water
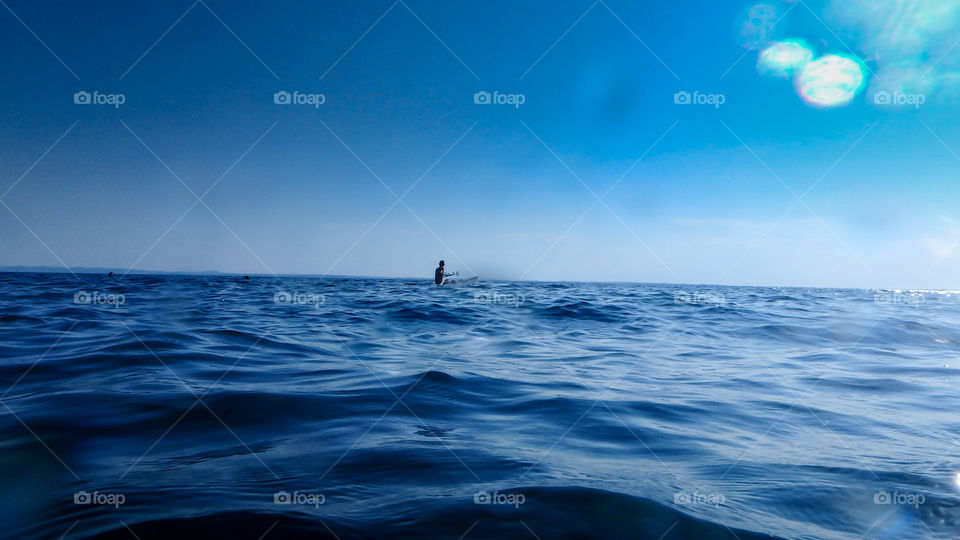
pixel 218 407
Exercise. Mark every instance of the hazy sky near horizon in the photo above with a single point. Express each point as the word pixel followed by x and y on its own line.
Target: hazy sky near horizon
pixel 598 175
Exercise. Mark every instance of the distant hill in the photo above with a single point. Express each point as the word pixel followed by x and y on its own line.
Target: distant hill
pixel 97 270
pixel 121 271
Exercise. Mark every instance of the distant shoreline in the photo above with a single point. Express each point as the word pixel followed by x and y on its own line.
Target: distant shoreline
pixel 122 271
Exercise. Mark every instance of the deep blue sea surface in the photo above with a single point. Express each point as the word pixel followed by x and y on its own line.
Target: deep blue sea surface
pixel 217 407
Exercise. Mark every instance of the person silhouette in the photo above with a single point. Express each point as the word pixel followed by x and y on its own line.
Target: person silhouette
pixel 439 274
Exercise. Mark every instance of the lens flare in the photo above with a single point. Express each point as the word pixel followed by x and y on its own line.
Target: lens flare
pixel 831 81
pixel 913 43
pixel 784 59
pixel 757 25
pixel 899 29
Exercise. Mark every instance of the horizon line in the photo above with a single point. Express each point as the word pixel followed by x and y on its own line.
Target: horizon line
pixel 27 269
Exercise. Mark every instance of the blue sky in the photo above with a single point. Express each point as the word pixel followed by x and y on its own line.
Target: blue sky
pixel 719 196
